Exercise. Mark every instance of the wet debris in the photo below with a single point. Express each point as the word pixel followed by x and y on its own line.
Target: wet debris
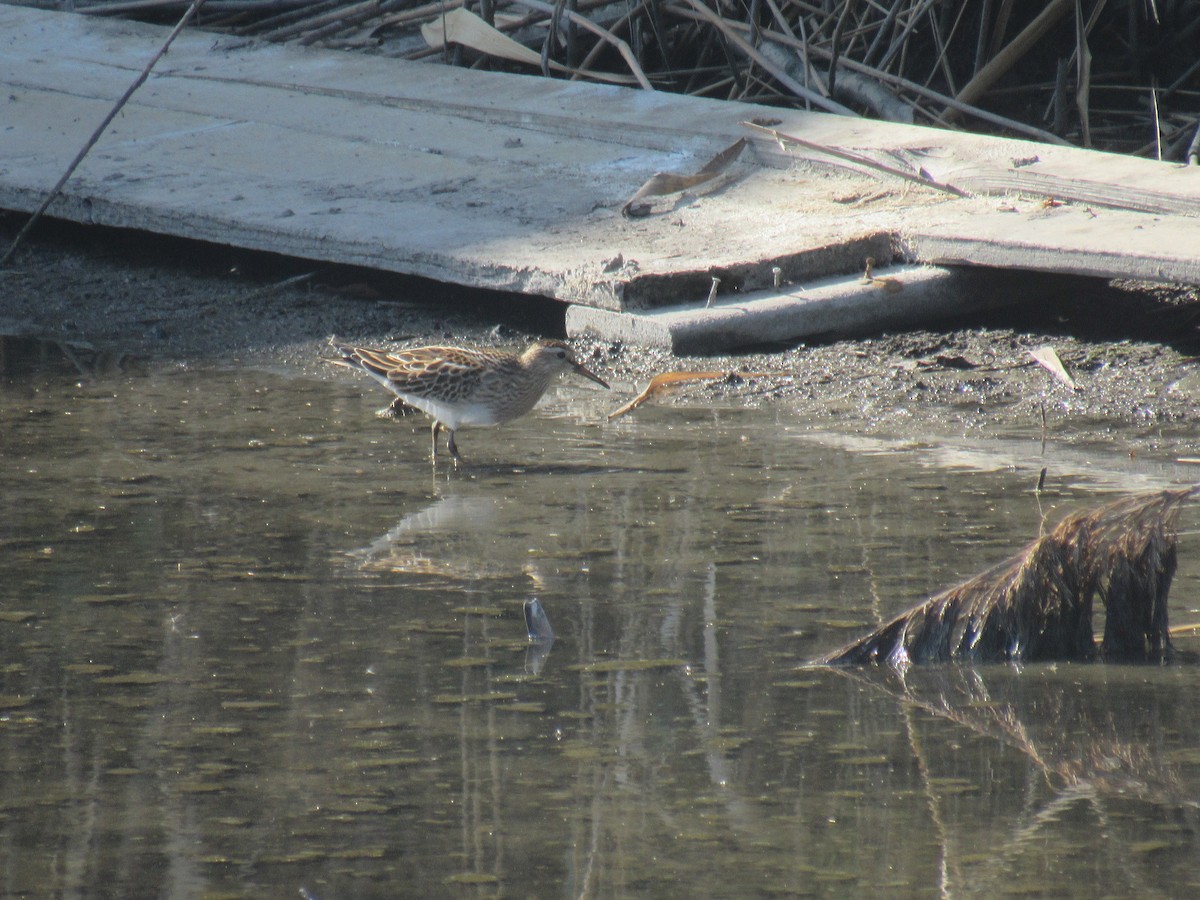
pixel 1047 358
pixel 1038 605
pixel 537 623
pixel 23 355
pixel 665 382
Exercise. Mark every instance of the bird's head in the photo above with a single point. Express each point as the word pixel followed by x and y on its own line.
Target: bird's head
pixel 556 357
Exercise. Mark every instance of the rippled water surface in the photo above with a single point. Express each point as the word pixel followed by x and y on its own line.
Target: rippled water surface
pixel 253 645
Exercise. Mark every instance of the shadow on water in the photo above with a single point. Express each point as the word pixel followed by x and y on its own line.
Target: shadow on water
pixel 24 356
pixel 251 647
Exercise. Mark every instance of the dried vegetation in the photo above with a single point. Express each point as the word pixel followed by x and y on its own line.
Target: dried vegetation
pixel 1120 76
pixel 1038 605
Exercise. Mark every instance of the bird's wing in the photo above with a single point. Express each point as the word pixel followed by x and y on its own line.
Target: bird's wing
pixel 419 369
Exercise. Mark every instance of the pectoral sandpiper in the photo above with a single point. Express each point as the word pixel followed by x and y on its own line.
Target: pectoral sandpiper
pixel 457 386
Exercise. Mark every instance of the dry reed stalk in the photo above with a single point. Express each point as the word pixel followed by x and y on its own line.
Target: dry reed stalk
pixel 1003 61
pixel 277 24
pixel 621 47
pixel 904 84
pixel 940 59
pixel 191 12
pixel 750 51
pixel 856 159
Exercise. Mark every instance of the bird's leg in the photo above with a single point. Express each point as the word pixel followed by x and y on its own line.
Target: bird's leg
pixel 453 447
pixel 433 430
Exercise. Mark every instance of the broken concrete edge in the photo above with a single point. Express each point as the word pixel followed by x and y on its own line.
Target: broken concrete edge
pixel 837 306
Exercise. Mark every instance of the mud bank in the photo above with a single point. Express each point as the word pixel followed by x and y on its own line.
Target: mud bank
pixel 1129 348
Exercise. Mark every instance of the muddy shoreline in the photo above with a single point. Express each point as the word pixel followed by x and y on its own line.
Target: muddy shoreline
pixel 151 302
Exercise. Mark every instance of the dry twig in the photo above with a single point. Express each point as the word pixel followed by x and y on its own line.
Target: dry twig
pixel 100 129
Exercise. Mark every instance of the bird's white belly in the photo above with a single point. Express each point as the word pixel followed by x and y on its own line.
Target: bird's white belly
pixel 454 415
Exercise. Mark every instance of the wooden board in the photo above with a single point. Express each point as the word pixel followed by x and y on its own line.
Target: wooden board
pixel 482 179
pixel 515 182
pixel 1096 241
pixel 904 296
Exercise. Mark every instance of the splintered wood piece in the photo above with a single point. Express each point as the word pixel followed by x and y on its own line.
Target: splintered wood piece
pixel 661 383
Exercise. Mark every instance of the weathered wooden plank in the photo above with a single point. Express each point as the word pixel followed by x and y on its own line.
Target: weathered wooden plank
pixel 475 178
pixel 515 182
pixel 896 297
pixel 1000 167
pixel 903 296
pixel 1099 242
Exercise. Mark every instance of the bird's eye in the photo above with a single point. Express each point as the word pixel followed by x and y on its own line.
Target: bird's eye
pixel 562 354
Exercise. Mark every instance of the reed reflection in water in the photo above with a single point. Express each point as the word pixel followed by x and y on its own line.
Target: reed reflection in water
pixel 251 646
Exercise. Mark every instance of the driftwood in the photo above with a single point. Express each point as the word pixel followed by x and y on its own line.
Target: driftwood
pixel 1038 605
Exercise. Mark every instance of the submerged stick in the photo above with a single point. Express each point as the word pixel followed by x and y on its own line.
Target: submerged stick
pixel 103 126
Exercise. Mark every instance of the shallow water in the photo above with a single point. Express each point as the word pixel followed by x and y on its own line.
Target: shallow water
pixel 253 645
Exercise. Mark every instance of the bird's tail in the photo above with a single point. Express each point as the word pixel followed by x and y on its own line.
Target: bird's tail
pixel 373 362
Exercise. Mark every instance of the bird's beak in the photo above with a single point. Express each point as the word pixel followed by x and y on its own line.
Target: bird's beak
pixel 582 370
